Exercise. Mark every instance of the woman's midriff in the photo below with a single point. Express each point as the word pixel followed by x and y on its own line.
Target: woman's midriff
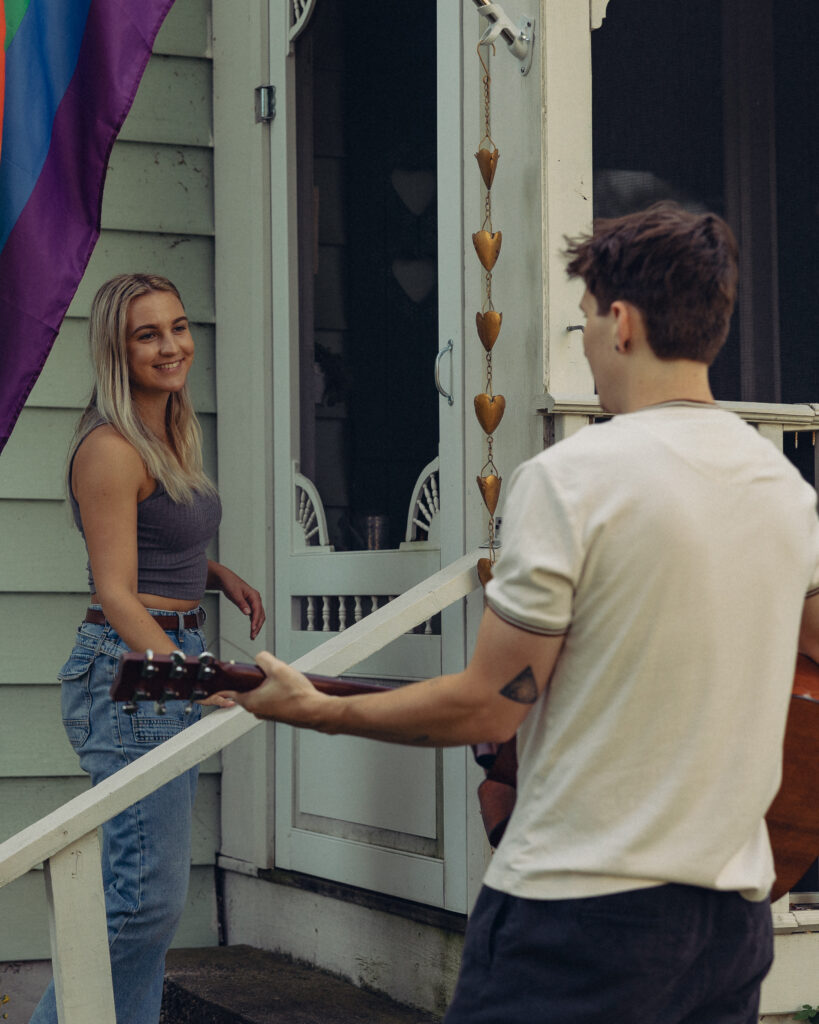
pixel 164 604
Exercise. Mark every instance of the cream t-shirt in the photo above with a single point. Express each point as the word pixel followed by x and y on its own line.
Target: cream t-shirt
pixel 674 548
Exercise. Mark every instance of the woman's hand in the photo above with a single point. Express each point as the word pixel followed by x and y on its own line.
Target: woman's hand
pixel 246 599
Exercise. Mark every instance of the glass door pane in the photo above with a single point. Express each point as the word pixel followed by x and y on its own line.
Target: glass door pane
pixel 368 230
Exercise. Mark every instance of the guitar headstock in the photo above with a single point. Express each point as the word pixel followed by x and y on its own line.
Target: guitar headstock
pixel 164 677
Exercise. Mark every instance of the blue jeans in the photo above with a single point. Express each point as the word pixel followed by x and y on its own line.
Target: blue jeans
pixel 672 954
pixel 146 850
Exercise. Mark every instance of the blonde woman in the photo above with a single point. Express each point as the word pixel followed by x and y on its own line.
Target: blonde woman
pixel 147 512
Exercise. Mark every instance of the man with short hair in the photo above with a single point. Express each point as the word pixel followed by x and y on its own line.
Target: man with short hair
pixel 639 636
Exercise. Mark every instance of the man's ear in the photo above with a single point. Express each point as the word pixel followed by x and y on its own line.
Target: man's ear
pixel 623 313
pixel 629 326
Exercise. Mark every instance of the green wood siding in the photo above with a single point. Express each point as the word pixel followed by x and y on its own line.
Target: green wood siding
pixel 174 103
pixel 65 382
pixel 38 663
pixel 186 259
pixel 23 903
pixel 157 215
pixel 34 463
pixel 168 187
pixel 24 801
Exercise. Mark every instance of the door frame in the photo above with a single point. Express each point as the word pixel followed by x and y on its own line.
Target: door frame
pixel 293 846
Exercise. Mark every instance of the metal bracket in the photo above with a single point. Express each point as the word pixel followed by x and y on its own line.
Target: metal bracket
pixel 265 97
pixel 519 38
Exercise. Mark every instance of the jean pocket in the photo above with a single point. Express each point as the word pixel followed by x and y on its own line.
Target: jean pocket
pixel 75 696
pixel 151 729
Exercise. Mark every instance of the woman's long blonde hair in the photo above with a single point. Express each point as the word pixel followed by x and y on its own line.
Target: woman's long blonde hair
pixel 179 471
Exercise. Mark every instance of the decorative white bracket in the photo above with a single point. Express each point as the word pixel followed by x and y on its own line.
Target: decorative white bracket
pixel 301 11
pixel 519 38
pixel 597 13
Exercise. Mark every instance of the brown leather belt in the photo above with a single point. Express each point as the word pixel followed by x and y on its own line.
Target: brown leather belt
pixel 190 620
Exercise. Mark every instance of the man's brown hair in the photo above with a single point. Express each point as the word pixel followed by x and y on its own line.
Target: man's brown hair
pixel 678 268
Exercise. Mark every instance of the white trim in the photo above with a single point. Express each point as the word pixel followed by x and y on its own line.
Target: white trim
pixel 597 13
pixel 244 385
pixel 77 924
pixel 309 517
pixel 425 504
pixel 301 11
pixel 798 416
pixel 566 185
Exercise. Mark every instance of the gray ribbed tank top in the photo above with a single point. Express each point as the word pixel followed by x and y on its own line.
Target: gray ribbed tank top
pixel 171 542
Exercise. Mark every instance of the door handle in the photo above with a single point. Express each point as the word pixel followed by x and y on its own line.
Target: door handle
pixel 446 394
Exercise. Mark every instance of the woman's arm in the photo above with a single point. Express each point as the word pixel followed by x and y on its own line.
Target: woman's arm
pixel 108 480
pixel 246 599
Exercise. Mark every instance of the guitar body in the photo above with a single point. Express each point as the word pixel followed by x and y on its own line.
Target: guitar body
pixel 793 817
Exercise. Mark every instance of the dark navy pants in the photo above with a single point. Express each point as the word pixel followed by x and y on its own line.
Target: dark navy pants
pixel 671 954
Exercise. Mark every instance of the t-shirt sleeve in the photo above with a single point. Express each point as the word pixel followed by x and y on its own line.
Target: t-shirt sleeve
pixel 539 562
pixel 813 586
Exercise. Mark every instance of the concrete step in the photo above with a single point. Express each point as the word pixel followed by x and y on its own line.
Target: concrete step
pixel 243 985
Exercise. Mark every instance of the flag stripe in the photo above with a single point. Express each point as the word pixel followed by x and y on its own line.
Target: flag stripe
pixel 2 72
pixel 39 65
pixel 49 246
pixel 15 10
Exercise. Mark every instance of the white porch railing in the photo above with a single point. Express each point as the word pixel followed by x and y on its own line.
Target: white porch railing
pixel 566 414
pixel 66 840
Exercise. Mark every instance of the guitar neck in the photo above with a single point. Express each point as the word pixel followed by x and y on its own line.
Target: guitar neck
pixel 164 677
pixel 247 677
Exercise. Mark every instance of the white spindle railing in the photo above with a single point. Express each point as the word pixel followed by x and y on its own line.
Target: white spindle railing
pixel 66 840
pixel 568 414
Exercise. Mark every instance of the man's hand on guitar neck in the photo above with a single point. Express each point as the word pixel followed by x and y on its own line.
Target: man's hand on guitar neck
pixel 285 696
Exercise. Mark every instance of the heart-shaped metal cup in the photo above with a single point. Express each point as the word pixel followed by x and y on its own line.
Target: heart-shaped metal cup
pixel 488 163
pixel 484 571
pixel 489 409
pixel 487 246
pixel 489 325
pixel 490 486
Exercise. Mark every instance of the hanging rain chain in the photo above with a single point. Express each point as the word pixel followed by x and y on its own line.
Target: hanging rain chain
pixel 489 407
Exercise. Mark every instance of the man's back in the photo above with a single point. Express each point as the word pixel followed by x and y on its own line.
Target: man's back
pixel 674 546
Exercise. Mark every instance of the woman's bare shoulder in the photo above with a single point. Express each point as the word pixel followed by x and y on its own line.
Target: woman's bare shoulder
pixel 106 455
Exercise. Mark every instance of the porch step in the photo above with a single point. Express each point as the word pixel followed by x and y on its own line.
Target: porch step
pixel 243 985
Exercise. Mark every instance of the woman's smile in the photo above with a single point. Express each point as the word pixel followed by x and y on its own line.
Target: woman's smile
pixel 158 342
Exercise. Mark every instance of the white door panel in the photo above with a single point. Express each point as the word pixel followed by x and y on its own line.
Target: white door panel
pixel 373 815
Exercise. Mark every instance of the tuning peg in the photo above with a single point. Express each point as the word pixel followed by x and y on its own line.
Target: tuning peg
pixel 159 707
pixel 177 666
pixel 206 669
pixel 130 707
pixel 149 667
pixel 189 707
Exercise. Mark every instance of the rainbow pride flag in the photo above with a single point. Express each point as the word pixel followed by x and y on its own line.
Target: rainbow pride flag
pixel 69 70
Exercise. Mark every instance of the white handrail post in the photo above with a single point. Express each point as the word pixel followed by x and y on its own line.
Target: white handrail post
pixel 79 934
pixel 774 432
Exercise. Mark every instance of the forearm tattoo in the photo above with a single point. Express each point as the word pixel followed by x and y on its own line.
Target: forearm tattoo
pixel 522 689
